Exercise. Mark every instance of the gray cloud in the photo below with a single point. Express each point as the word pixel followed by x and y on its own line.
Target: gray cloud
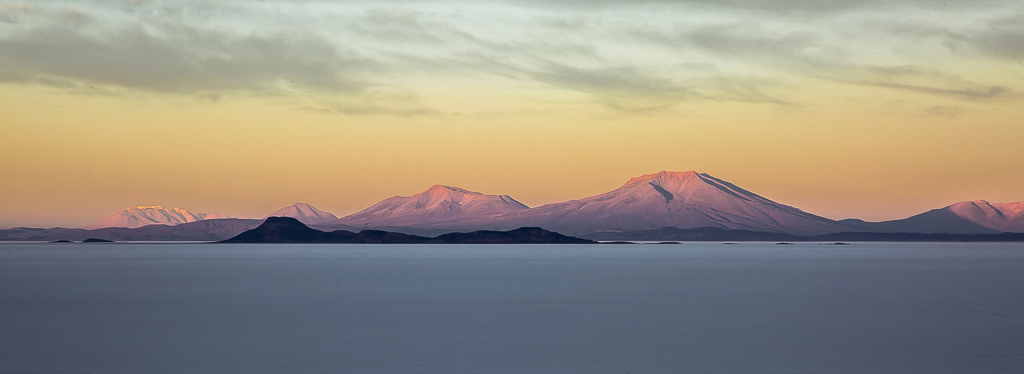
pixel 12 11
pixel 183 59
pixel 800 6
pixel 1006 44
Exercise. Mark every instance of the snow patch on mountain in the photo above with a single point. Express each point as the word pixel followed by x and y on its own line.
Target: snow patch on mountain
pixel 138 216
pixel 305 213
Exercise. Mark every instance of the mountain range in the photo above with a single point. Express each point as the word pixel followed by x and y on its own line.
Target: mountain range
pixel 679 200
pixel 648 206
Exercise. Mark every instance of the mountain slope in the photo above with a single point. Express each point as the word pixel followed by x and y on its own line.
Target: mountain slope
pixel 672 199
pixel 305 213
pixel 966 217
pixel 438 206
pixel 138 216
pixel 1005 217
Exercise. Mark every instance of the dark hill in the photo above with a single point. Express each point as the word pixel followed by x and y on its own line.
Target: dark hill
pixel 522 235
pixel 280 230
pixel 290 230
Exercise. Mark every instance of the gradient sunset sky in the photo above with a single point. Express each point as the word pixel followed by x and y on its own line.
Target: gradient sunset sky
pixel 843 108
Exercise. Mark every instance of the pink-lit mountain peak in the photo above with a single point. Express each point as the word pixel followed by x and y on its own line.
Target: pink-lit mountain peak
pixel 977 208
pixel 435 205
pixel 455 198
pixel 687 187
pixel 305 213
pixel 667 179
pixel 439 193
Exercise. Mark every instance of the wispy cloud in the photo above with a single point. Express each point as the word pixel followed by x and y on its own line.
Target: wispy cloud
pixel 627 56
pixel 979 93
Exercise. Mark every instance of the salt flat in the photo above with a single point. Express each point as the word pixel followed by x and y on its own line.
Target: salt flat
pixel 689 308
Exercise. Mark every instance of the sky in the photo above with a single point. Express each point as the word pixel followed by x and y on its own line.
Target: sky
pixel 854 108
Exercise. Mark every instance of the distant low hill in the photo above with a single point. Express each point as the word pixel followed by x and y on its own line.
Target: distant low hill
pixel 715 234
pixel 290 230
pixel 205 230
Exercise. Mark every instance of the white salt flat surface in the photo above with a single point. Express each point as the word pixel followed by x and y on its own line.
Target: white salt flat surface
pixel 689 308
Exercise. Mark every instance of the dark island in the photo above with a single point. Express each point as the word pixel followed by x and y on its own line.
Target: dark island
pixel 290 230
pixel 97 240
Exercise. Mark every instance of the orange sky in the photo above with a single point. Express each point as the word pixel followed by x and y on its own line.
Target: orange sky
pixel 105 105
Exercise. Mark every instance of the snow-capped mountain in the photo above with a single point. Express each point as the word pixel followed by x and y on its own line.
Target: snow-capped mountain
pixel 438 207
pixel 305 213
pixel 138 216
pixel 672 199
